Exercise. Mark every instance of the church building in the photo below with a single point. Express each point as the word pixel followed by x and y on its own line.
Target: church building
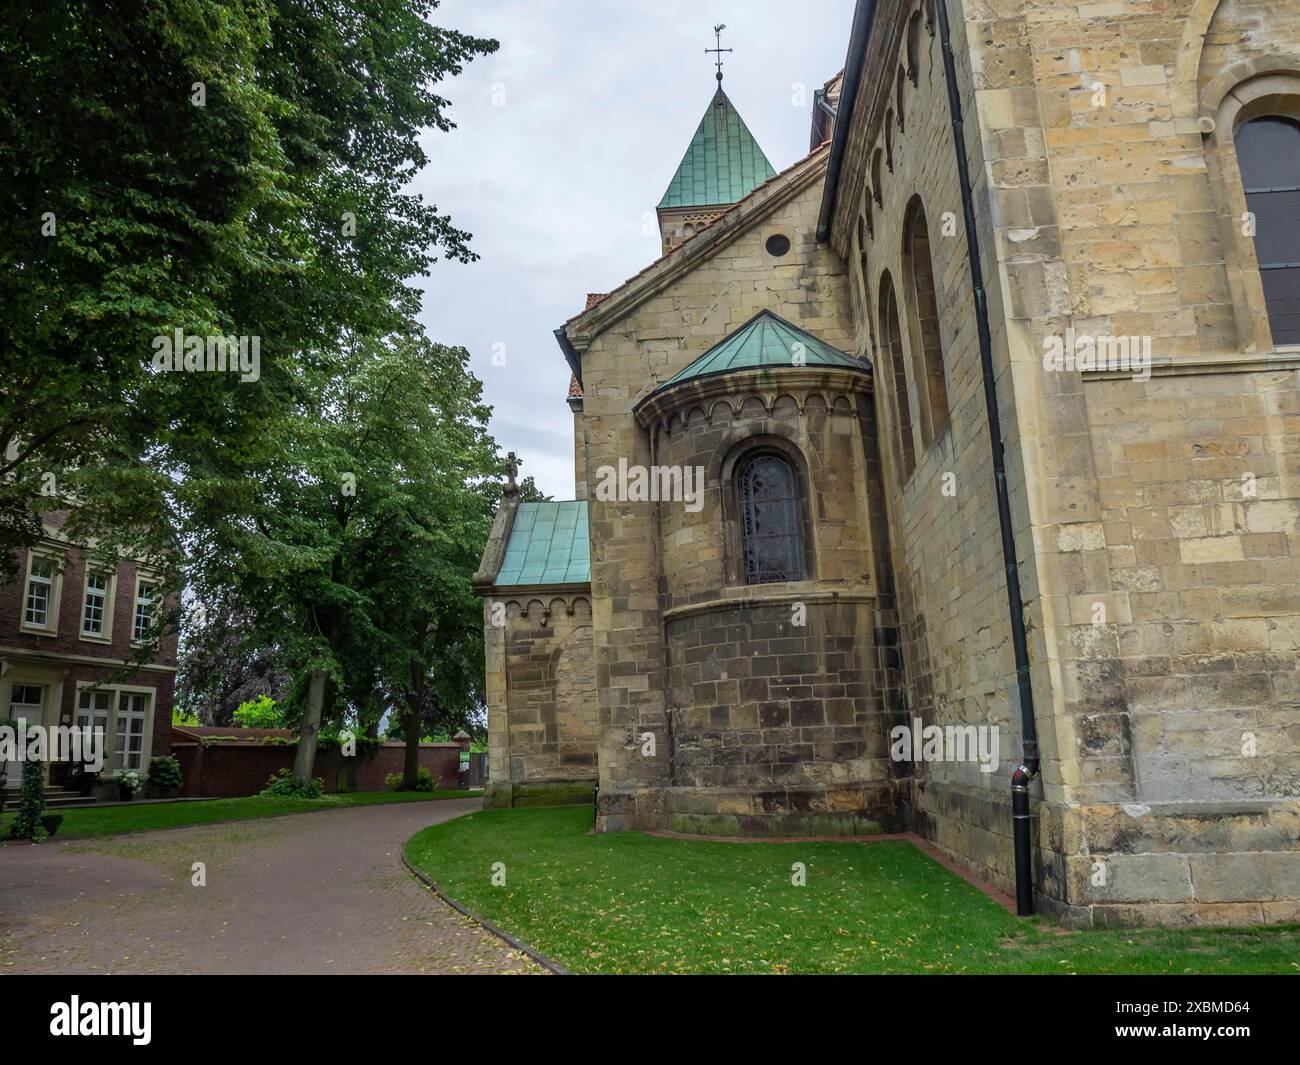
pixel 947 479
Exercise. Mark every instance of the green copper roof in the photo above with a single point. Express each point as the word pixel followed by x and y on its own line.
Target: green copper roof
pixel 548 545
pixel 723 164
pixel 765 340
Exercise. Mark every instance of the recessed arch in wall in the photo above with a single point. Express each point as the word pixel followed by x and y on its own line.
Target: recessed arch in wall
pixel 923 324
pixel 891 343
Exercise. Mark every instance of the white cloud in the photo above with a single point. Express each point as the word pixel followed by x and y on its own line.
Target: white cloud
pixel 601 99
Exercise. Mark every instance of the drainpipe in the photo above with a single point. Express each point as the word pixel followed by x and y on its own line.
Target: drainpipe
pixel 1020 821
pixel 864 14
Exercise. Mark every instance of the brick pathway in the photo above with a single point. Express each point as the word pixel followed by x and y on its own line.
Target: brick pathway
pixel 310 893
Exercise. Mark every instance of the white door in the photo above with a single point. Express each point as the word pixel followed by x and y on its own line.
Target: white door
pixel 26 707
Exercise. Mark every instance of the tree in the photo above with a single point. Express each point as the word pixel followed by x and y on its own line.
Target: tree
pixel 361 526
pixel 218 169
pixel 261 712
pixel 219 669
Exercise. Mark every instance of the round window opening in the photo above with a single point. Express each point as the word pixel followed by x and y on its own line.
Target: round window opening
pixel 778 244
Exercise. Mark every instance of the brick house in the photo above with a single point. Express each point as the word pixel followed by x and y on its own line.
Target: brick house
pixel 66 627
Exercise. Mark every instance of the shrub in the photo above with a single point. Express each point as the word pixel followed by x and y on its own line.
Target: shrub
pixel 262 712
pixel 164 773
pixel 282 785
pixel 51 822
pixel 31 804
pixel 425 781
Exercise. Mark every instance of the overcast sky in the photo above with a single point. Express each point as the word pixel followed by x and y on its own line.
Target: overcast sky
pixel 566 140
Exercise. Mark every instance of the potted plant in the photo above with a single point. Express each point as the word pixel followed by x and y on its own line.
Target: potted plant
pixel 128 784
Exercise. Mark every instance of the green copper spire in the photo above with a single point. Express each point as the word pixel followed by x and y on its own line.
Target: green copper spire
pixel 723 164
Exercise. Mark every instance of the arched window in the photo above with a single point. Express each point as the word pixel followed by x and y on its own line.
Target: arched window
pixel 1268 153
pixel 914 47
pixel 862 255
pixel 875 176
pixel 770 526
pixel 891 342
pixel 923 324
pixel 899 102
pixel 889 141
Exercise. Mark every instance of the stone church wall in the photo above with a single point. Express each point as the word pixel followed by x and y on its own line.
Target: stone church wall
pixel 1183 698
pixel 776 691
pixel 623 363
pixel 954 634
pixel 542 701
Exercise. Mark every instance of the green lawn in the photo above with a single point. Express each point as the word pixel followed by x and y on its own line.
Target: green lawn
pixel 631 903
pixel 86 821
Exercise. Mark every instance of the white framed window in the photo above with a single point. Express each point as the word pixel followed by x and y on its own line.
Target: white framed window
pixel 96 612
pixel 145 592
pixel 38 604
pixel 129 724
pixel 26 702
pixel 93 708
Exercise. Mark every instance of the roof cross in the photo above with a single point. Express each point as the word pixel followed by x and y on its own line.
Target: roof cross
pixel 717 32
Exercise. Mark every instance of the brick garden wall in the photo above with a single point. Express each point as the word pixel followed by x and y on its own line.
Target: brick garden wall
pixel 226 770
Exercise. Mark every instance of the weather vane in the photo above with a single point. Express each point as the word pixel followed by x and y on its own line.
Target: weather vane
pixel 717 32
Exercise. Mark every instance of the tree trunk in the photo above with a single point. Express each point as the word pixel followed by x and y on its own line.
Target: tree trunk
pixel 415 700
pixel 411 767
pixel 305 759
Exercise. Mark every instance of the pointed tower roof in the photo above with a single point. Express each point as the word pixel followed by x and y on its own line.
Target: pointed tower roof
pixel 723 164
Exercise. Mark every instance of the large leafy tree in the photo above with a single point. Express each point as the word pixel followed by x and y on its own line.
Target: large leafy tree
pixel 232 168
pixel 219 167
pixel 351 544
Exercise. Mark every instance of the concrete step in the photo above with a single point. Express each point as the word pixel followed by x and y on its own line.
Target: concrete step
pixel 55 796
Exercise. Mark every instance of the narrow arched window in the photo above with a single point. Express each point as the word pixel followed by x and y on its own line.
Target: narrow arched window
pixel 923 324
pixel 914 47
pixel 1268 153
pixel 862 259
pixel 771 539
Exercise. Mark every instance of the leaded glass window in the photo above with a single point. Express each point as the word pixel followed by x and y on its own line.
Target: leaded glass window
pixel 1268 150
pixel 769 517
